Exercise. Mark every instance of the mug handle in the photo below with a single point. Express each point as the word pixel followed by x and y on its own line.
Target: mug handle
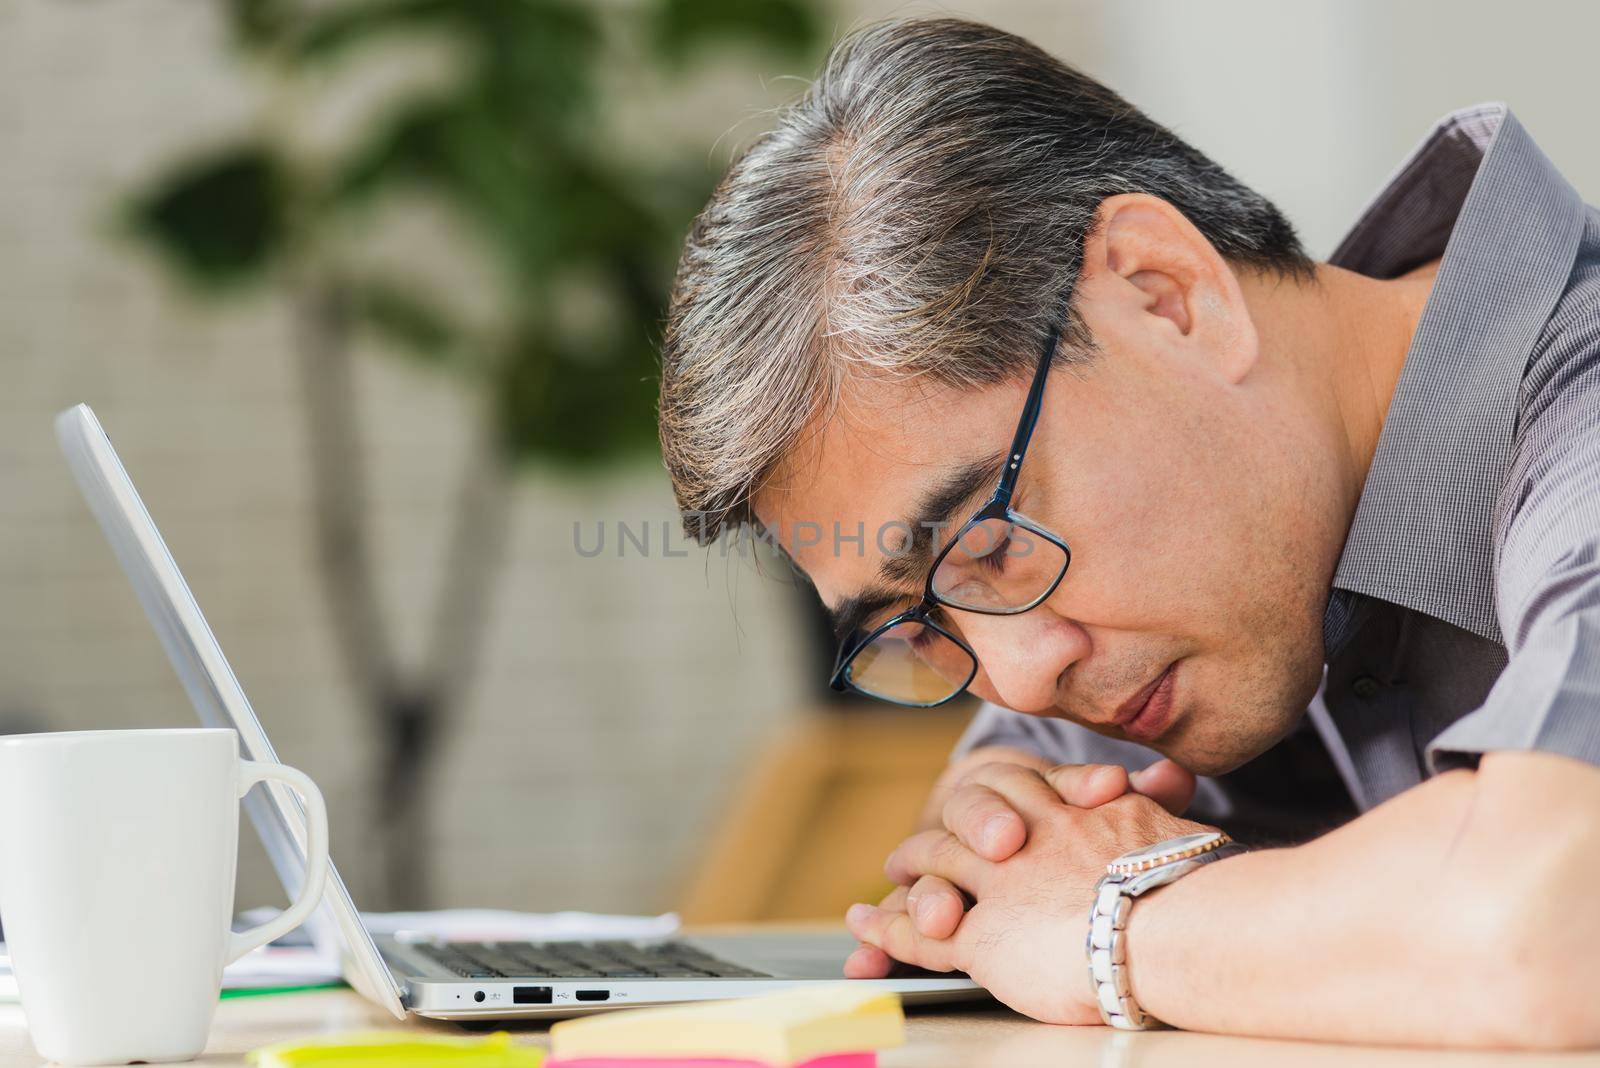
pixel 250 773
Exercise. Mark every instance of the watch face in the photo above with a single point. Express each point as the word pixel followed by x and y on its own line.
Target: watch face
pixel 1172 849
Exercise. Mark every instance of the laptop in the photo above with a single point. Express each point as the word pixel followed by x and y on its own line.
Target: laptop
pixel 444 980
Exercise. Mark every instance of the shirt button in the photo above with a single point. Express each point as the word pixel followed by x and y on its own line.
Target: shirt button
pixel 1366 687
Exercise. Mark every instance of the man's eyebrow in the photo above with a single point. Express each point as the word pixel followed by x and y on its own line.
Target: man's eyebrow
pixel 934 514
pixel 904 568
pixel 852 612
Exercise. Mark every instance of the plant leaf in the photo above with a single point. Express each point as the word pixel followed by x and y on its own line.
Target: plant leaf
pixel 414 324
pixel 221 220
pixel 578 406
pixel 679 27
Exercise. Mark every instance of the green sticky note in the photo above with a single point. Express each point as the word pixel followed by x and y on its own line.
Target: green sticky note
pixel 267 991
pixel 399 1050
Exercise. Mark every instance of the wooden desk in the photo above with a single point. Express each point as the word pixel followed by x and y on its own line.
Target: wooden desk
pixel 968 1038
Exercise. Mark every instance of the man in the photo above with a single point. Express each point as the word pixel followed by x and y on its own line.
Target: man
pixel 1239 485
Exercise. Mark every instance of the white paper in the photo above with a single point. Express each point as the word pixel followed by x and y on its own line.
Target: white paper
pixel 281 966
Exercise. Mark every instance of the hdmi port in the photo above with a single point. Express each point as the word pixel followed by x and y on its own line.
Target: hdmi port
pixel 594 995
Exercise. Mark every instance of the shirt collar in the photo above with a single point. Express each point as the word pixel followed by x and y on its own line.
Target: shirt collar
pixel 1479 192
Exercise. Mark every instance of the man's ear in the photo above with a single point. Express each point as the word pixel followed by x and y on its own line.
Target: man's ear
pixel 1156 280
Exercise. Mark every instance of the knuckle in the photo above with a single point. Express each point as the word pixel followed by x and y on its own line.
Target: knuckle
pixel 1063 775
pixel 969 798
pixel 993 772
pixel 909 855
pixel 900 933
pixel 1018 773
pixel 1130 805
pixel 947 848
pixel 1139 813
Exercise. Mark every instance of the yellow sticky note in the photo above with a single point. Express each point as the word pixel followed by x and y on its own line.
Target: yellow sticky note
pixel 398 1049
pixel 779 1029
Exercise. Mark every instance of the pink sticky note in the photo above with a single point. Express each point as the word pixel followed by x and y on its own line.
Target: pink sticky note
pixel 832 1060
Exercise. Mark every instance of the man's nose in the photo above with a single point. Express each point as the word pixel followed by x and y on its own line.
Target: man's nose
pixel 1022 656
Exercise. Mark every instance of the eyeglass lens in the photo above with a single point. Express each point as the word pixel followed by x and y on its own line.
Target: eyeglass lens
pixel 911 663
pixel 998 566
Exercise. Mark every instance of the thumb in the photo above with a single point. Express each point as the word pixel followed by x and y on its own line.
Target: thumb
pixel 1088 785
pixel 1166 783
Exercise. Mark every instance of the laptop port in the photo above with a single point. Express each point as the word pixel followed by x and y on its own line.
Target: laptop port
pixel 594 995
pixel 531 995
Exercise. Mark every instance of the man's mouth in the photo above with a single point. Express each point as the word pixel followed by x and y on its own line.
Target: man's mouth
pixel 1144 716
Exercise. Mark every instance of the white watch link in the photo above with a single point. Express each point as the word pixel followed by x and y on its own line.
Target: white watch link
pixel 1126 878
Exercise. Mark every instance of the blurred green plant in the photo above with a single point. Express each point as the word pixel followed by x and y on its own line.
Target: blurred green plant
pixel 508 149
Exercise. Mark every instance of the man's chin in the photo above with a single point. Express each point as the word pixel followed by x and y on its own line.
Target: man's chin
pixel 1209 764
pixel 1213 753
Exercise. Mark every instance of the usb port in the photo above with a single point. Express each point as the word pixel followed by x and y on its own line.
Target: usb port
pixel 531 995
pixel 594 995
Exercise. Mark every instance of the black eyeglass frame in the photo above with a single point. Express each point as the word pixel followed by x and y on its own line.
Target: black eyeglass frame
pixel 997 507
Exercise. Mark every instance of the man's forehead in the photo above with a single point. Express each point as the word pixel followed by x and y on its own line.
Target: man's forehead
pixel 851 496
pixel 864 461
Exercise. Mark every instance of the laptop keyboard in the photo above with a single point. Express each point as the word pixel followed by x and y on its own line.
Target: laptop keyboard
pixel 581 960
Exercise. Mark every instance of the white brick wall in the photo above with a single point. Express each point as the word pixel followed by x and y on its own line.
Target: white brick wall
pixel 616 699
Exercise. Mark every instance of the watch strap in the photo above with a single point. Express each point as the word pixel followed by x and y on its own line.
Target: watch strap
pixel 1106 945
pixel 1108 955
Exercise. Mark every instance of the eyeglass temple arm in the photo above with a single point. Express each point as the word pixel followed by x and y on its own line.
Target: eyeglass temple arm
pixel 1030 416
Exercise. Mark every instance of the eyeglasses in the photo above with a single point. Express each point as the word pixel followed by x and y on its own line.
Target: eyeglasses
pixel 1000 563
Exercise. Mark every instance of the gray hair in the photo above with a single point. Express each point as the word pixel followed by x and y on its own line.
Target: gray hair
pixel 921 210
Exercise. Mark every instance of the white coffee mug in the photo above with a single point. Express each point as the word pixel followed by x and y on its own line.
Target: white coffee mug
pixel 118 851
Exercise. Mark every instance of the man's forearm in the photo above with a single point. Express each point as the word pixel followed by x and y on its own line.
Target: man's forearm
pixel 1443 917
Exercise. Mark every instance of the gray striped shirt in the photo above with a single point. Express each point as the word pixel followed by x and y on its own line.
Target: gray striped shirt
pixel 1465 611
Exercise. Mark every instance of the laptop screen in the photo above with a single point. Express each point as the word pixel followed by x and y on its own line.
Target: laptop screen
pixel 212 687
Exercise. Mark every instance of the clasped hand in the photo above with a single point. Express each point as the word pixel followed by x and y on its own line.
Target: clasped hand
pixel 1002 890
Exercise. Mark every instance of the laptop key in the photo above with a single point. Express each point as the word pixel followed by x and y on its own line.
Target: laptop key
pixel 669 960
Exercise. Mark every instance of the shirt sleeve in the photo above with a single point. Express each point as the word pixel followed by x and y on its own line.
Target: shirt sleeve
pixel 1547 595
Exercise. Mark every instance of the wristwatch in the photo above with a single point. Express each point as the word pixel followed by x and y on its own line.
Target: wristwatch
pixel 1127 877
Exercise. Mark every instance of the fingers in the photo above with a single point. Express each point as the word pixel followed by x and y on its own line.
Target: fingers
pixel 1167 784
pixel 870 962
pixel 896 899
pixel 1088 785
pixel 867 962
pixel 1024 790
pixel 985 822
pixel 990 811
pixel 894 933
pixel 937 853
pixel 989 814
pixel 994 754
pixel 1092 785
pixel 954 776
pixel 936 907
